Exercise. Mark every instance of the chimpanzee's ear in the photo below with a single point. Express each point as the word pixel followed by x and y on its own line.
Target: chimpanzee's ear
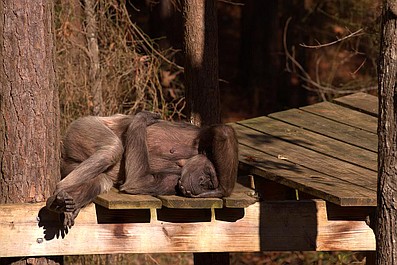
pixel 210 170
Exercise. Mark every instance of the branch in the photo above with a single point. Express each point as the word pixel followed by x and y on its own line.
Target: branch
pixel 313 85
pixel 356 33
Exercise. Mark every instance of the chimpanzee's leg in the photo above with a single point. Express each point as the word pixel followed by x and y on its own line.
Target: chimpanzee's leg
pixel 219 144
pixel 99 149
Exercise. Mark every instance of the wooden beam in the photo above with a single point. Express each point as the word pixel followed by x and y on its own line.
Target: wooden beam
pixel 265 226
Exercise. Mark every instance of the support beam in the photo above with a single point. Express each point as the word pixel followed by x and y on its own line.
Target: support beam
pixel 265 226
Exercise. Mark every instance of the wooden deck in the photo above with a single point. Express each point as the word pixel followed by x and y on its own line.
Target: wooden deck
pixel 314 174
pixel 327 150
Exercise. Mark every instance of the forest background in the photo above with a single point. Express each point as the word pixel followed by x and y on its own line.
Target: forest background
pixel 121 57
pixel 273 55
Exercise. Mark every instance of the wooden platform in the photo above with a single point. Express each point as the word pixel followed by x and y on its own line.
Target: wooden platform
pixel 240 198
pixel 313 169
pixel 327 150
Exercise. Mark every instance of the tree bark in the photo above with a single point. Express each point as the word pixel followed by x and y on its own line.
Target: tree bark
pixel 201 61
pixel 29 106
pixel 94 75
pixel 386 226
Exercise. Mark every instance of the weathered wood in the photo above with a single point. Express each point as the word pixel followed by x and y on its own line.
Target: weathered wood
pixel 116 200
pixel 266 226
pixel 173 201
pixel 329 128
pixel 352 174
pixel 360 101
pixel 313 141
pixel 241 197
pixel 344 115
pixel 308 181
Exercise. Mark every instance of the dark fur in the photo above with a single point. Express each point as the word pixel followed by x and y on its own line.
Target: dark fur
pixel 142 155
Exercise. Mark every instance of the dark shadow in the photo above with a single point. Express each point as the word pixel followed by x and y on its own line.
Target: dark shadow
pixel 52 223
pixel 288 226
pixel 119 216
pixel 350 213
pixel 229 214
pixel 183 215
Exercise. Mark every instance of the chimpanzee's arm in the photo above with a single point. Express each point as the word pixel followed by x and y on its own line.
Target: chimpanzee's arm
pixel 219 144
pixel 136 152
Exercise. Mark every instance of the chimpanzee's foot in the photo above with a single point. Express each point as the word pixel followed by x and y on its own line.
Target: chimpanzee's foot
pixel 61 202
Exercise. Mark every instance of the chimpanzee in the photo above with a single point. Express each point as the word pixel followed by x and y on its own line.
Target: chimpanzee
pixel 141 154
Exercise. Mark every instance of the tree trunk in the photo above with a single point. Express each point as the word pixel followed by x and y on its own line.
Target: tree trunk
pixel 201 78
pixel 29 106
pixel 259 56
pixel 386 227
pixel 201 61
pixel 94 75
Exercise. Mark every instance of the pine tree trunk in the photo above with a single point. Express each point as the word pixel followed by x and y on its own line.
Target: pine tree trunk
pixel 201 61
pixel 386 227
pixel 29 120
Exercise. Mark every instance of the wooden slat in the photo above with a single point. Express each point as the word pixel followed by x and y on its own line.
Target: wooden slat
pixel 314 141
pixel 360 101
pixel 173 201
pixel 329 128
pixel 303 179
pixel 344 115
pixel 241 197
pixel 116 200
pixel 352 174
pixel 267 226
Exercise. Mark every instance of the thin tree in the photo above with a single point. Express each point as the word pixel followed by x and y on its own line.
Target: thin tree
pixel 29 106
pixel 201 78
pixel 95 81
pixel 201 61
pixel 386 225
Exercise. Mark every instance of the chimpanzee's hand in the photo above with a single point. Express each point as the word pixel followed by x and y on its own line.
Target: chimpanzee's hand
pixel 149 117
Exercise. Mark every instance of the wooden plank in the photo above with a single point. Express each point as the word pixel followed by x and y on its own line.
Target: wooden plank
pixel 241 197
pixel 267 226
pixel 352 174
pixel 313 141
pixel 344 115
pixel 173 201
pixel 303 179
pixel 360 101
pixel 116 200
pixel 329 128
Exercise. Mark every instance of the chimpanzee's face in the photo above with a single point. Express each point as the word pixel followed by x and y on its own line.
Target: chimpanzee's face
pixel 198 175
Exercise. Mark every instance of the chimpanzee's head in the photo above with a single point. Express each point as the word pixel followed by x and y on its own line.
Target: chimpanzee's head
pixel 198 176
